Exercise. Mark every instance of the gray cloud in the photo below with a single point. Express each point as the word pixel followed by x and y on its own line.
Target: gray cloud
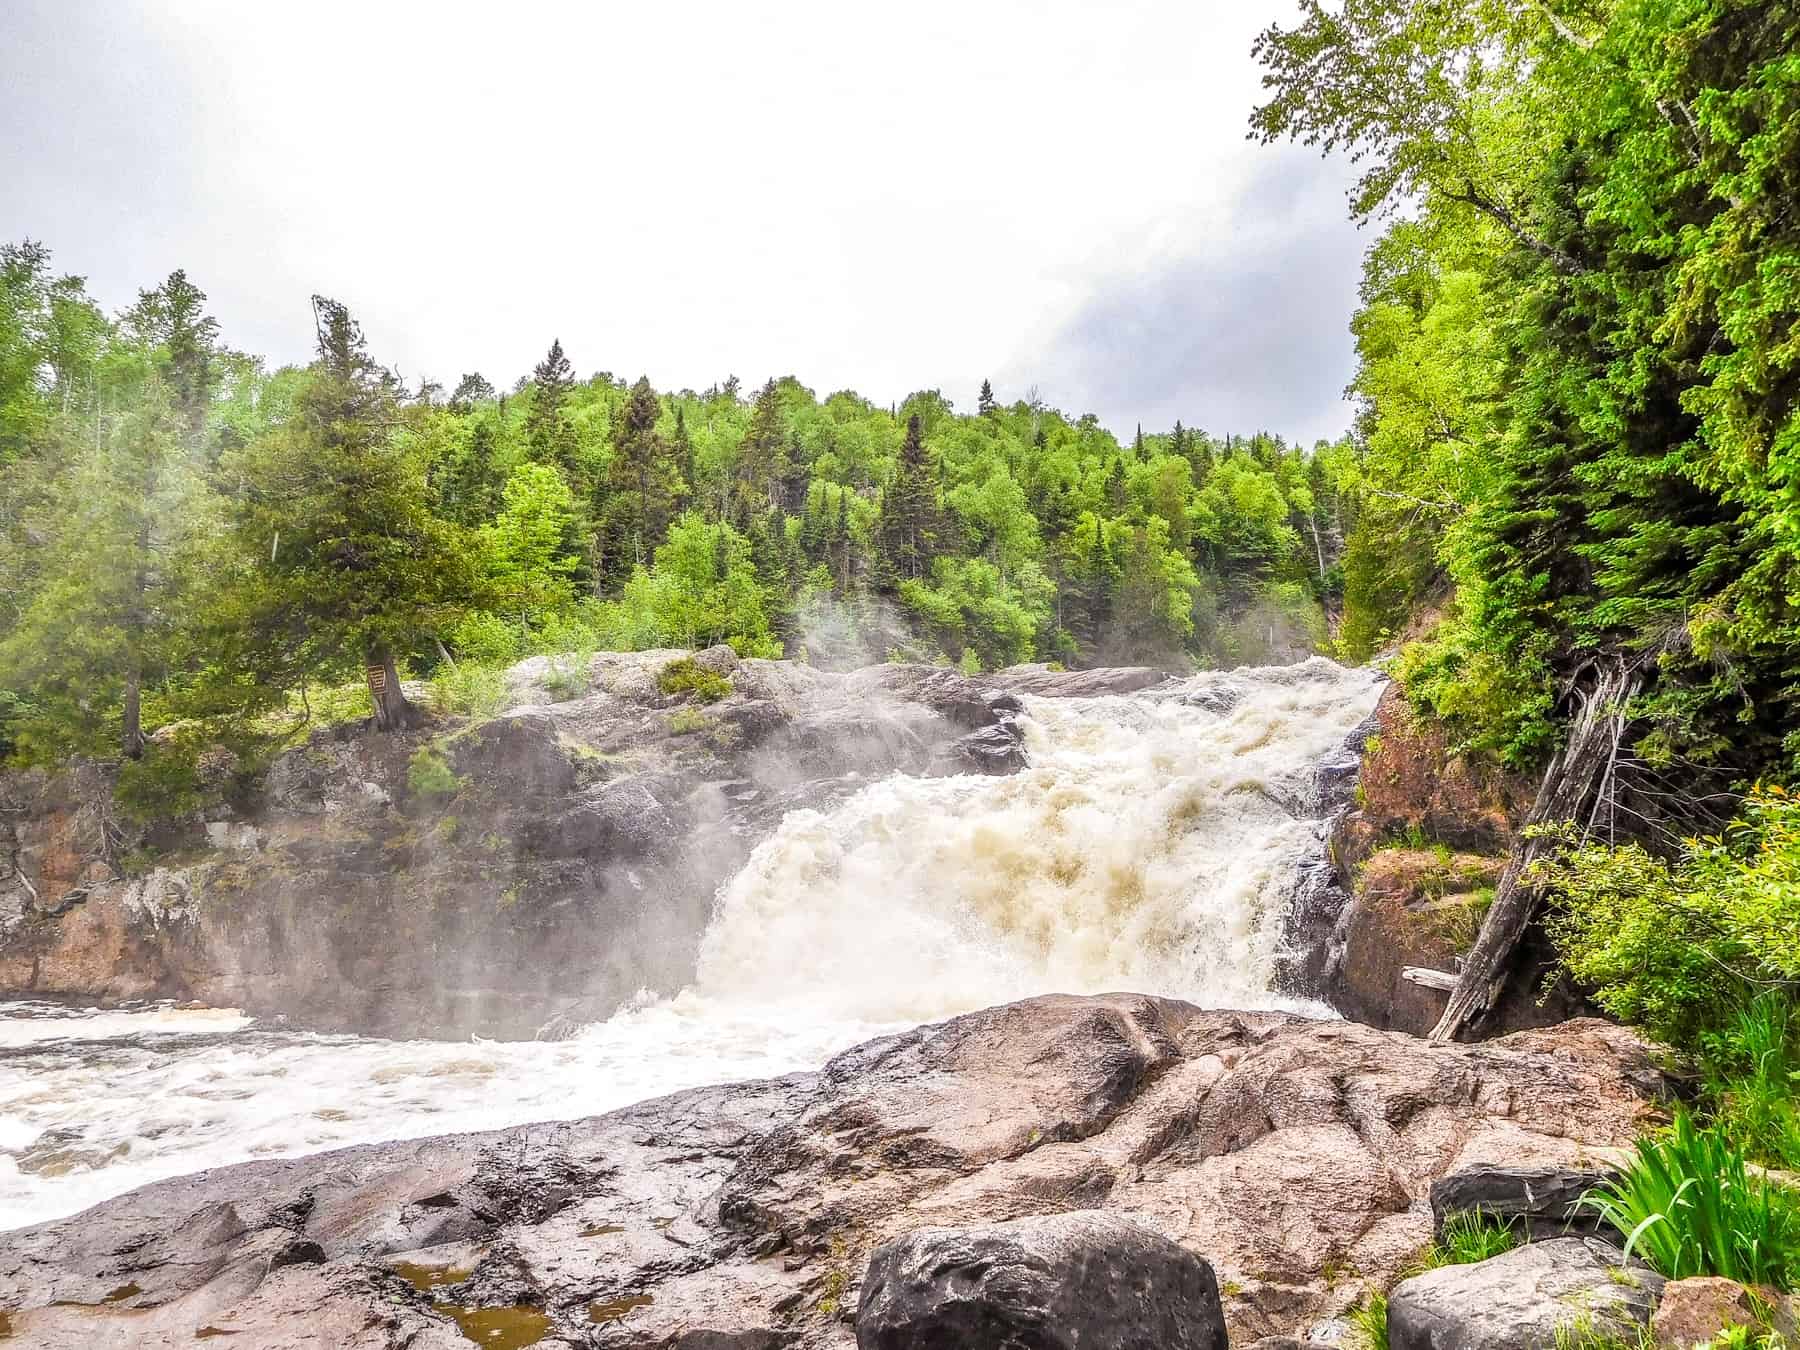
pixel 1240 330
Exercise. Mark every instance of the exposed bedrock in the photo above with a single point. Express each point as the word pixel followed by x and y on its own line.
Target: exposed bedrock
pixel 1295 1157
pixel 572 862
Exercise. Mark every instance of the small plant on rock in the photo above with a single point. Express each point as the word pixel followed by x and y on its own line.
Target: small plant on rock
pixel 688 676
pixel 1471 1236
pixel 428 773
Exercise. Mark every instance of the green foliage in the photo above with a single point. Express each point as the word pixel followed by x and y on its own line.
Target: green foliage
pixel 1468 1237
pixel 429 773
pixel 1369 1322
pixel 688 676
pixel 1680 947
pixel 1689 1205
pixel 468 690
pixel 686 721
pixel 1577 357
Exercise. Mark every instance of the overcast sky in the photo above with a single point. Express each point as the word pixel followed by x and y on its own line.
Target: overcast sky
pixel 880 197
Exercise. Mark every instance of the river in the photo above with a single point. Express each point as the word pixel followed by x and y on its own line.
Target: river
pixel 1152 845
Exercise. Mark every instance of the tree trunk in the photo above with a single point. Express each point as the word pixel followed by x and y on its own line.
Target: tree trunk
pixel 392 711
pixel 131 741
pixel 1576 785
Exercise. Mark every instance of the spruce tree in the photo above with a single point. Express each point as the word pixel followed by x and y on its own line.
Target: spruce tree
pixel 907 534
pixel 641 485
pixel 550 437
pixel 985 404
pixel 346 566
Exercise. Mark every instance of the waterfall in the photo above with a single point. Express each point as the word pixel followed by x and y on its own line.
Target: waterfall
pixel 1154 843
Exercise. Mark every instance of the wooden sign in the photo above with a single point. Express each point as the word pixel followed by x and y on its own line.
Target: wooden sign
pixel 378 679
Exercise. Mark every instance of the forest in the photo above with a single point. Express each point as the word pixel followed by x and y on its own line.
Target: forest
pixel 193 540
pixel 1577 504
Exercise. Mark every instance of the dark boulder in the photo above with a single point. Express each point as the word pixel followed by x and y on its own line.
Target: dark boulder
pixel 999 749
pixel 1545 1201
pixel 1522 1299
pixel 1084 1279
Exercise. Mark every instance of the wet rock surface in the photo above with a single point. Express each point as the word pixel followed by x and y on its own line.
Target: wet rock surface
pixel 1522 1298
pixel 1055 1283
pixel 1295 1157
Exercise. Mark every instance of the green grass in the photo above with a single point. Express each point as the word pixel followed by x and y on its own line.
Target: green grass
pixel 1688 1205
pixel 688 676
pixel 1751 1079
pixel 1585 1334
pixel 1368 1323
pixel 1470 1236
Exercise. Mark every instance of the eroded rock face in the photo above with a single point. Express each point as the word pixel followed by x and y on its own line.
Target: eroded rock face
pixel 1295 1157
pixel 572 863
pixel 1520 1299
pixel 1056 1283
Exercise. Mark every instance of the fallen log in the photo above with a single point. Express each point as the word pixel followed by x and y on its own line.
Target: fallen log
pixel 1578 784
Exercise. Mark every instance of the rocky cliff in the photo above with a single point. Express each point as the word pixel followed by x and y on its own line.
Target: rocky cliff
pixel 552 861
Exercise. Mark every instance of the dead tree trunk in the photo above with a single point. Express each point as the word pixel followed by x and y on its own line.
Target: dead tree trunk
pixel 1578 783
pixel 392 711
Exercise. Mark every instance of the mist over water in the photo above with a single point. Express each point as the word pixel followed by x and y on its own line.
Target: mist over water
pixel 1153 844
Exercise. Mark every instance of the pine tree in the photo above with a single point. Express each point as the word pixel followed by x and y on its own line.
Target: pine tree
pixel 907 534
pixel 985 404
pixel 641 485
pixel 345 560
pixel 761 459
pixel 551 439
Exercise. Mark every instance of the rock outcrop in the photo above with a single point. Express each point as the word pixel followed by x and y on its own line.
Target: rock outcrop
pixel 1522 1299
pixel 1295 1157
pixel 563 856
pixel 1418 857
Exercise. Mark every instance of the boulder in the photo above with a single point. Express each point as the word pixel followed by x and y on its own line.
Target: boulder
pixel 1693 1311
pixel 1056 1283
pixel 1521 1299
pixel 1546 1201
pixel 999 749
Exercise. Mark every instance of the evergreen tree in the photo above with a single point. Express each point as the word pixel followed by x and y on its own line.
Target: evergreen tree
pixel 907 534
pixel 641 485
pixel 551 439
pixel 345 561
pixel 985 405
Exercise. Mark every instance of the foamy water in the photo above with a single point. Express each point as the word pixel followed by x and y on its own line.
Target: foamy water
pixel 1151 845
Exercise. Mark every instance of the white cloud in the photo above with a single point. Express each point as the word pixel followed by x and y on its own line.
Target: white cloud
pixel 878 197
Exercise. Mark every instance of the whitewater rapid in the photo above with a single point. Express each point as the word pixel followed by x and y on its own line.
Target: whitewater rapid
pixel 1152 844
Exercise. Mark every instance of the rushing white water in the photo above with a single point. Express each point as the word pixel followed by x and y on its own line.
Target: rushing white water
pixel 1152 844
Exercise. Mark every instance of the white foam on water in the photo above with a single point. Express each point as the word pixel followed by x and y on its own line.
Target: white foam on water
pixel 1152 845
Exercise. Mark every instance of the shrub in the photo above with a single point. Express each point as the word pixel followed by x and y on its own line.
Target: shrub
pixel 1688 1205
pixel 688 676
pixel 1654 939
pixel 428 773
pixel 469 690
pixel 566 677
pixel 487 639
